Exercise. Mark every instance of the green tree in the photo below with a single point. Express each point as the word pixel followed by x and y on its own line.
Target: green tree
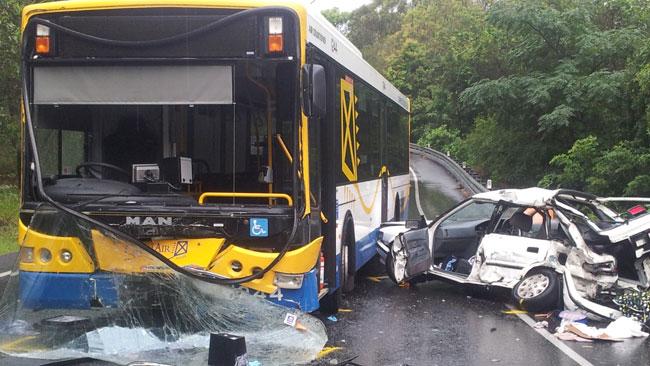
pixel 9 79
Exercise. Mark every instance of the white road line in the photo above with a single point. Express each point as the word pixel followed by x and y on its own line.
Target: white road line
pixel 5 274
pixel 417 192
pixel 554 341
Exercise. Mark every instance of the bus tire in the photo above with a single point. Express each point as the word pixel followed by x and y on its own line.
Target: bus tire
pixel 330 303
pixel 396 214
pixel 348 260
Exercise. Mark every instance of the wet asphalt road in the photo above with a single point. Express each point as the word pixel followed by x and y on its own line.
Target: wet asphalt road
pixel 437 323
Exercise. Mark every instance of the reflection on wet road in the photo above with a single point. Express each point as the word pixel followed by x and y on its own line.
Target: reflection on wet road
pixel 433 324
pixel 437 190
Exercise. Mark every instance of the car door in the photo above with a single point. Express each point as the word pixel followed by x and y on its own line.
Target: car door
pixel 412 252
pixel 457 233
pixel 507 252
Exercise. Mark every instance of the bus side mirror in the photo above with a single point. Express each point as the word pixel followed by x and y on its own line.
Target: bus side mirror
pixel 314 95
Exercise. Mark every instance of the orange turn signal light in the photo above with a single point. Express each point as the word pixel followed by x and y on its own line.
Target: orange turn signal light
pixel 276 43
pixel 42 45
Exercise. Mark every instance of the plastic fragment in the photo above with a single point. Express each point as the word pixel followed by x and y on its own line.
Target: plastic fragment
pixel 574 316
pixel 332 318
pixel 290 320
pixel 376 278
pixel 541 325
pixel 327 350
pixel 254 363
pixel 299 326
pixel 571 337
pixel 513 312
pixel 345 310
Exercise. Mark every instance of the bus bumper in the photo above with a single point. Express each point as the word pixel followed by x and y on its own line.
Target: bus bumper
pixel 41 290
pixel 304 298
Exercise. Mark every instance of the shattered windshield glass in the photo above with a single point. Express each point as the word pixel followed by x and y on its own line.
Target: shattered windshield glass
pixel 80 291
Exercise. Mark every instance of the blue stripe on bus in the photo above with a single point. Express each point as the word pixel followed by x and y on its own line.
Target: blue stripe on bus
pixel 40 290
pixel 366 248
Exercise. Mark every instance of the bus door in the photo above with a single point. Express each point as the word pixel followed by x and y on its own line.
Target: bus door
pixel 384 197
pixel 384 172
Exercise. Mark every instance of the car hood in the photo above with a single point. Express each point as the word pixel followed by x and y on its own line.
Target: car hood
pixel 389 231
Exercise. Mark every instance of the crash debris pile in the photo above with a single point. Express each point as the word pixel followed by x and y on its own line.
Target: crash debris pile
pixel 573 326
pixel 635 304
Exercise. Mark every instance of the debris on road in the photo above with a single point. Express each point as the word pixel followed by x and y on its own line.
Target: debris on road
pixel 328 350
pixel 635 304
pixel 513 312
pixel 617 331
pixel 376 278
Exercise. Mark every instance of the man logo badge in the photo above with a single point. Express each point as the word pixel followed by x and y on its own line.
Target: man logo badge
pixel 149 221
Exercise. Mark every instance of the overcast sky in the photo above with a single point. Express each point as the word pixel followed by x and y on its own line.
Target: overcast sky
pixel 345 5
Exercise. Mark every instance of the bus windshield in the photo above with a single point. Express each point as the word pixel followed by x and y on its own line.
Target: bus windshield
pixel 184 129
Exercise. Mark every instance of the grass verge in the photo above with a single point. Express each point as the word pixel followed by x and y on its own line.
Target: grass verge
pixel 9 204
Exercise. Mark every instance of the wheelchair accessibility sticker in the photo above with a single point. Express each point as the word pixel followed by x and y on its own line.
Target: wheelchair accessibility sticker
pixel 259 228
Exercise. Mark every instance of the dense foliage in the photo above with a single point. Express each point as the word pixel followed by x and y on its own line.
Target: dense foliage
pixel 550 92
pixel 10 84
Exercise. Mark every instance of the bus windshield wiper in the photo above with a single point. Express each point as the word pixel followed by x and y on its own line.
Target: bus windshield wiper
pixel 80 205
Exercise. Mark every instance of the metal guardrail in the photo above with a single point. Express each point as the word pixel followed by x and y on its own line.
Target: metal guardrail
pixel 467 180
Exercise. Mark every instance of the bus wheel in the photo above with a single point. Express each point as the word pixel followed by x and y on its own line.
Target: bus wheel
pixel 348 264
pixel 330 303
pixel 396 215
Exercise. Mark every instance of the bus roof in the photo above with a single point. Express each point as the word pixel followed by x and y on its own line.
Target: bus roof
pixel 320 32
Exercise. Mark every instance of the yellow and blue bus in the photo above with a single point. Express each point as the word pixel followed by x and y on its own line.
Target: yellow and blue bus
pixel 248 141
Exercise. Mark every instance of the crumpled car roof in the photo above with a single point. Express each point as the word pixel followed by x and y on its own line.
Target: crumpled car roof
pixel 532 197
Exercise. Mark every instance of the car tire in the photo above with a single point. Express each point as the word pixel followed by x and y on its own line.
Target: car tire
pixel 389 266
pixel 347 258
pixel 538 291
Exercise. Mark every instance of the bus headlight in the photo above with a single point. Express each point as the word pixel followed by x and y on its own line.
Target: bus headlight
pixel 27 254
pixel 288 281
pixel 45 255
pixel 66 256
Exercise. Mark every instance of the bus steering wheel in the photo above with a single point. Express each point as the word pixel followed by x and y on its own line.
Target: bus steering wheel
pixel 91 169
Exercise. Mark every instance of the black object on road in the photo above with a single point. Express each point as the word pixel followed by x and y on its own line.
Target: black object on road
pixel 227 350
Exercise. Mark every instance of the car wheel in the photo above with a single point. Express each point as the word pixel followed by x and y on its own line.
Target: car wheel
pixel 537 291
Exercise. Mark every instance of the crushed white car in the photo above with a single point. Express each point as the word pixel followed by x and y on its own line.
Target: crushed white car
pixel 553 248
